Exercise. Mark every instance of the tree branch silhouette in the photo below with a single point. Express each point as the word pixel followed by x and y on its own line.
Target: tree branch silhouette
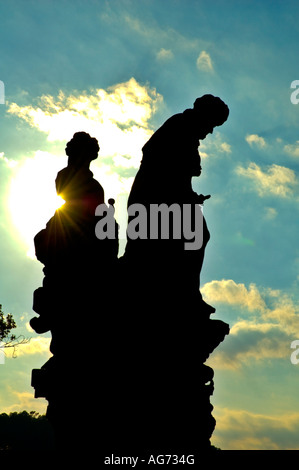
pixel 8 340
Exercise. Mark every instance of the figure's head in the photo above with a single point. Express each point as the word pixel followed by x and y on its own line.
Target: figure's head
pixel 210 111
pixel 82 149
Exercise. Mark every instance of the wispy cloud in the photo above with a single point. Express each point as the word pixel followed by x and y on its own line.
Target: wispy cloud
pixel 8 162
pixel 118 117
pixel 37 345
pixel 204 62
pixel 164 55
pixel 231 293
pixel 154 34
pixel 268 322
pixel 24 401
pixel 270 213
pixel 292 149
pixel 246 430
pixel 254 139
pixel 214 146
pixel 275 179
pixel 225 147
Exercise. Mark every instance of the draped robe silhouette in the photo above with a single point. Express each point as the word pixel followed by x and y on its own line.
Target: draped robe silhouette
pixel 74 297
pixel 166 333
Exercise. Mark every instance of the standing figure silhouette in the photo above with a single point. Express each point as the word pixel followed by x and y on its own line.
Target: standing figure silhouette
pixel 75 297
pixel 170 161
pixel 165 333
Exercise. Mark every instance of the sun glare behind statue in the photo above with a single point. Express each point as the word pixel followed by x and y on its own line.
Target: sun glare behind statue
pixel 32 197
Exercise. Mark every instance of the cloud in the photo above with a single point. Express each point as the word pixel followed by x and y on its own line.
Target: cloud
pixel 270 213
pixel 24 401
pixel 277 180
pixel 239 239
pixel 245 430
pixel 225 147
pixel 118 117
pixel 204 62
pixel 231 293
pixel 214 146
pixel 268 322
pixel 258 341
pixel 37 345
pixel 8 162
pixel 254 139
pixel 292 149
pixel 164 55
pixel 152 34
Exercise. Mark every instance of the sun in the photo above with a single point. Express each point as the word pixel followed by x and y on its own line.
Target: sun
pixel 32 198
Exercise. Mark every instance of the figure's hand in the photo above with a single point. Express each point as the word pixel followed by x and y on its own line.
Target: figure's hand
pixel 202 198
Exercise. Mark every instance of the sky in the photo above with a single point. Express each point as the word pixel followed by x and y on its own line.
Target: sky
pixel 118 69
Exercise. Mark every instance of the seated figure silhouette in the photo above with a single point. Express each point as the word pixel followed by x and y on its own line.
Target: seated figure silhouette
pixel 76 293
pixel 165 335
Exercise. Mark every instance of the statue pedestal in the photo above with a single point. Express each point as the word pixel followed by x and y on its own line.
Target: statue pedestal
pixel 146 394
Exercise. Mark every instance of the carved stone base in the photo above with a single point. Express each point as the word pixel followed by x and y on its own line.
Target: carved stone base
pixel 156 402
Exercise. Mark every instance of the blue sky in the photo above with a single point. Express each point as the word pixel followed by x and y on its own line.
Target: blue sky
pixel 118 69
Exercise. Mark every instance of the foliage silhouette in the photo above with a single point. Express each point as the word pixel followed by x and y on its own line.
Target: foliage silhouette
pixel 10 340
pixel 25 431
pixel 6 325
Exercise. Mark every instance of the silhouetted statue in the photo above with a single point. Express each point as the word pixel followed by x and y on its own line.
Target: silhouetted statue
pixel 170 160
pixel 147 371
pixel 167 330
pixel 76 291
